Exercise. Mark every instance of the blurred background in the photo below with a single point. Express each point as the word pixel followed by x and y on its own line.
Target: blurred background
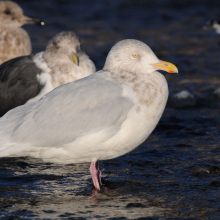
pixel 173 29
pixel 175 173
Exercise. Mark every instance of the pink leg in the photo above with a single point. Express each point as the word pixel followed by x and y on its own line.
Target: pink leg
pixel 96 175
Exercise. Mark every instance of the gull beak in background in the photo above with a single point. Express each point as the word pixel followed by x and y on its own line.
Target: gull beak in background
pixel 163 65
pixel 31 20
pixel 74 58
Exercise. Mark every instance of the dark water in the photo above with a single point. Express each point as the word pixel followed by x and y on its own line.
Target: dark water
pixel 175 174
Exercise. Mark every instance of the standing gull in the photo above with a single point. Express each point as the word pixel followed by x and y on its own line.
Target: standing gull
pixel 100 117
pixel 14 41
pixel 28 78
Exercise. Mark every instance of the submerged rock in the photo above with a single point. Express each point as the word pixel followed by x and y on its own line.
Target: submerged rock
pixel 183 99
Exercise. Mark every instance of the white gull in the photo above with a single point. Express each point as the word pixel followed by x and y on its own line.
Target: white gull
pixel 100 117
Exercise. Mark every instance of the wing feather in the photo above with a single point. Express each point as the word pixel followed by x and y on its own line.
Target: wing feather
pixel 18 82
pixel 70 111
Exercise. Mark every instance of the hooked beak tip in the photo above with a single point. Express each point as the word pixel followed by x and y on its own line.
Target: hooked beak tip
pixel 166 66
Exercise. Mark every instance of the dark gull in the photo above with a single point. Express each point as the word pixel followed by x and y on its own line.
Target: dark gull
pixel 14 41
pixel 99 117
pixel 27 78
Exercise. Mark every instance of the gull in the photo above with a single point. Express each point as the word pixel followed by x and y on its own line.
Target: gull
pixel 99 117
pixel 215 24
pixel 28 78
pixel 14 41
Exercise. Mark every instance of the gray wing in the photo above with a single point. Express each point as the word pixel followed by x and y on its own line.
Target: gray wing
pixel 18 82
pixel 69 111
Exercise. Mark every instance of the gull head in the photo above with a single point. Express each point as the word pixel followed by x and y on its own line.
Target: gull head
pixel 136 57
pixel 11 15
pixel 64 48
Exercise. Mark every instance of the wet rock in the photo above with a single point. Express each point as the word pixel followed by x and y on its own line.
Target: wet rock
pixel 215 183
pixel 214 169
pixel 183 99
pixel 49 211
pixel 68 215
pixel 147 218
pixel 118 218
pixel 201 172
pixel 135 205
pixel 22 164
pixel 51 177
pixel 217 93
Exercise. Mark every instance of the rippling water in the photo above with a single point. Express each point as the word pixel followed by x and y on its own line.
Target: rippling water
pixel 175 173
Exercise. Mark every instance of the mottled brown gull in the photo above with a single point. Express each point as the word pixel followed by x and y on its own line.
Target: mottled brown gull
pixel 100 117
pixel 25 79
pixel 14 40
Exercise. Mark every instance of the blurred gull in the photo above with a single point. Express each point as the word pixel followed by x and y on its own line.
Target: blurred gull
pixel 100 117
pixel 14 41
pixel 28 78
pixel 215 24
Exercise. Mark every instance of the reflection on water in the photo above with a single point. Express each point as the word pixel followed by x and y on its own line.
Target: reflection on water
pixel 175 173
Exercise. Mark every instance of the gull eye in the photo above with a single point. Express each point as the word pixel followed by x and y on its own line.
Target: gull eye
pixel 7 11
pixel 135 55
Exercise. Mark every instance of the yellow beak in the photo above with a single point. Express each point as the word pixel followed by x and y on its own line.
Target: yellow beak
pixel 168 67
pixel 74 58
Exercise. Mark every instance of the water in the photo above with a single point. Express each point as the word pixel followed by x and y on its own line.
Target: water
pixel 175 173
